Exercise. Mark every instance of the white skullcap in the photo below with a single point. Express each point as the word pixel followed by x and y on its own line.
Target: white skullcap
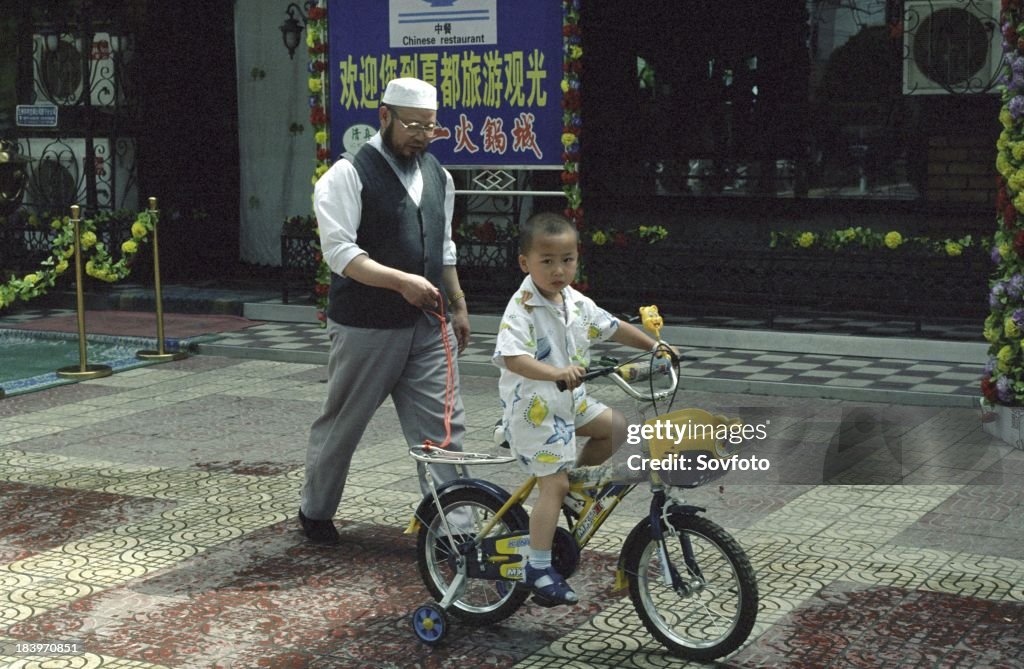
pixel 410 92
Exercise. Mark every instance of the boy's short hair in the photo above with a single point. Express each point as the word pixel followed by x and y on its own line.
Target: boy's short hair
pixel 544 223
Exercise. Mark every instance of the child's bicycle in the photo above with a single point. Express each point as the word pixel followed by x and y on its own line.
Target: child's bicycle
pixel 690 582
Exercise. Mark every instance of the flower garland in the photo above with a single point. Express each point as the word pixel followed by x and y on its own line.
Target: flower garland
pixel 572 70
pixel 649 234
pixel 99 265
pixel 572 122
pixel 837 240
pixel 1003 380
pixel 316 43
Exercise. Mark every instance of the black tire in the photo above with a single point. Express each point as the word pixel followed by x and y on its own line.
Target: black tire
pixel 484 602
pixel 718 616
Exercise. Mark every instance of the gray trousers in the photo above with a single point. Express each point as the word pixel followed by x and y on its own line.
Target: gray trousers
pixel 365 366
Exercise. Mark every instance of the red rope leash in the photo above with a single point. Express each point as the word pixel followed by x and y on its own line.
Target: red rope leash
pixel 449 388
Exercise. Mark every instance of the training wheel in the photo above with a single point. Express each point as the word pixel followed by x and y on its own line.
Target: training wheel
pixel 430 623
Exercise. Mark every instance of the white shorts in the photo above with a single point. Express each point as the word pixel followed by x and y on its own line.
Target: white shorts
pixel 543 441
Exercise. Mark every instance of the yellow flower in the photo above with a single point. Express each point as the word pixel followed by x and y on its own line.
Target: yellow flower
pixel 139 230
pixel 31 279
pixel 1018 201
pixel 1005 117
pixel 319 171
pixel 1004 358
pixel 88 240
pixel 320 137
pixel 1005 250
pixel 992 335
pixel 1010 328
pixel 893 239
pixel 806 239
pixel 69 251
pixel 599 238
pixel 953 248
pixel 315 85
pixel 1017 149
pixel 575 52
pixel 1003 165
pixel 1016 181
pixel 129 247
pixel 565 86
pixel 89 268
pixel 61 267
pixel 568 139
pixel 1003 141
pixel 847 235
pixel 56 224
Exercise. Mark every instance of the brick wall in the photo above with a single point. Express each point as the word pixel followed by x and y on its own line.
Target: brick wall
pixel 961 168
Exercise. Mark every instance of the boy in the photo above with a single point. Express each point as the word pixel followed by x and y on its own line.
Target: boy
pixel 545 337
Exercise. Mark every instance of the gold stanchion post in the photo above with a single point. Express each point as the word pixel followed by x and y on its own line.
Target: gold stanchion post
pixel 160 354
pixel 82 371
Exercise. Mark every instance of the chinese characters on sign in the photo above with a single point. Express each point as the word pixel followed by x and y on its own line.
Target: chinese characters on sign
pixel 444 23
pixel 498 103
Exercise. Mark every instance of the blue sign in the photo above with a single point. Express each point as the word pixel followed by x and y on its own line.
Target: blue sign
pixel 36 116
pixel 497 66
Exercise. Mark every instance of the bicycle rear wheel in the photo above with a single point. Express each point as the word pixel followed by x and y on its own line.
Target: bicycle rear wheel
pixel 715 613
pixel 468 509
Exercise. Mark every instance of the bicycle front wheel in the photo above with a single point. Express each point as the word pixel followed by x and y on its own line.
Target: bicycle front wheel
pixel 468 510
pixel 713 612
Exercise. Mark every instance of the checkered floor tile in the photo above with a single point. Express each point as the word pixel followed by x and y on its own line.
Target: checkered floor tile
pixel 732 364
pixel 750 366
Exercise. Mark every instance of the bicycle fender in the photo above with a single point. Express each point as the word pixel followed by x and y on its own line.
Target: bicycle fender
pixel 426 505
pixel 621 583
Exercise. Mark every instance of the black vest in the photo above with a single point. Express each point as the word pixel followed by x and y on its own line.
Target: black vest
pixel 394 232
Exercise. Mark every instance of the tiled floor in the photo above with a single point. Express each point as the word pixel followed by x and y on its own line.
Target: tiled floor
pixel 149 517
pixel 959 380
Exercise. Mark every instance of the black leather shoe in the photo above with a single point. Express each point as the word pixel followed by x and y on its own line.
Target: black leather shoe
pixel 319 531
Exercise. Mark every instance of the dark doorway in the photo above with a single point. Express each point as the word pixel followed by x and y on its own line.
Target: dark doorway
pixel 188 139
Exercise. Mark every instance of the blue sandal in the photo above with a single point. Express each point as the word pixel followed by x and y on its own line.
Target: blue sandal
pixel 548 586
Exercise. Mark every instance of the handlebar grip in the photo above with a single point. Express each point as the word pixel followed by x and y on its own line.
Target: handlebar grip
pixel 592 374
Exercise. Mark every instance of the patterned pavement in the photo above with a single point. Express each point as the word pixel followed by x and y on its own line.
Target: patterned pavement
pixel 148 518
pixel 732 369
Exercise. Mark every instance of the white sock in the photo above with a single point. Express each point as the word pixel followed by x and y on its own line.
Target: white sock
pixel 540 559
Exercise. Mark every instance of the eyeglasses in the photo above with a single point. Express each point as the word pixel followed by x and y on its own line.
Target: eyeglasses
pixel 427 129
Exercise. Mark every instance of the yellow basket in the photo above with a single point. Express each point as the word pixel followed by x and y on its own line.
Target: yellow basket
pixel 690 441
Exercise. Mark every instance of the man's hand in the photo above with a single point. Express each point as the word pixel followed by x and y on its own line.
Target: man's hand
pixel 460 324
pixel 419 292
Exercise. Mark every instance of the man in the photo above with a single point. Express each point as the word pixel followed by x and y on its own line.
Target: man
pixel 385 230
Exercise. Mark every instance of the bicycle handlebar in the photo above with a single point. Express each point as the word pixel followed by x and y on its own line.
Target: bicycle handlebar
pixel 622 374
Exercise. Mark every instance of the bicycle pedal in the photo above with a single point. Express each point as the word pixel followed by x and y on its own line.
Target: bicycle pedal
pixel 499 436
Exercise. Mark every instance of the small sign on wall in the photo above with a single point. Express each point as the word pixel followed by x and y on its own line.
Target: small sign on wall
pixel 36 116
pixel 443 23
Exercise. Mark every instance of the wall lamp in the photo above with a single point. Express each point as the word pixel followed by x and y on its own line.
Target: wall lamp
pixel 291 29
